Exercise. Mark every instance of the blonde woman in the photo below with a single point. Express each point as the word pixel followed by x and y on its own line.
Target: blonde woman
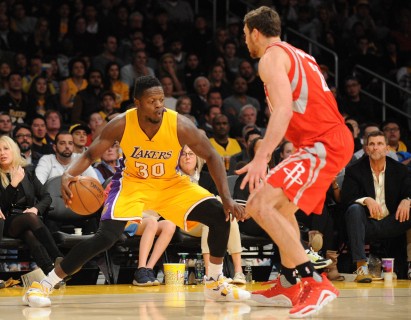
pixel 191 165
pixel 23 200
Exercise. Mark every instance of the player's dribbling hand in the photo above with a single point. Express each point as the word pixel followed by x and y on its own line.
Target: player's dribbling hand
pixel 233 208
pixel 66 179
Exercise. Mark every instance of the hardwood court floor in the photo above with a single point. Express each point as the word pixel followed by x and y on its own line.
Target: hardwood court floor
pixel 377 300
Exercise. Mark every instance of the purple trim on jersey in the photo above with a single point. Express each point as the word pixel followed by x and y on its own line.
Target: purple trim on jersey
pixel 114 191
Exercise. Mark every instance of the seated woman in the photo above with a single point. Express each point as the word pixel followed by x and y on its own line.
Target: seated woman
pixel 23 200
pixel 191 165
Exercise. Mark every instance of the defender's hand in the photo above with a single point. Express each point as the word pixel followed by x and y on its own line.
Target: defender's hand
pixel 256 173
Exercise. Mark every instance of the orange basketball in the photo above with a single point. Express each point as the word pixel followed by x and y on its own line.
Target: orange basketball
pixel 88 195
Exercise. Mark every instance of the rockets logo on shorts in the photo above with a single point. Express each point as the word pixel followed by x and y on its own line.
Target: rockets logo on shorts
pixel 293 176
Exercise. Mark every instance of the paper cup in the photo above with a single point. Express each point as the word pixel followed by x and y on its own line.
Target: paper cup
pixel 388 276
pixel 174 273
pixel 388 268
pixel 388 265
pixel 78 231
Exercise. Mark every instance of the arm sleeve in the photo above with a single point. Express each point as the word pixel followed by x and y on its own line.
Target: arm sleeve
pixel 361 200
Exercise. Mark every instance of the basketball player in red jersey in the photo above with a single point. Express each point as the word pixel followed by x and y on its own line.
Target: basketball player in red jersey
pixel 303 110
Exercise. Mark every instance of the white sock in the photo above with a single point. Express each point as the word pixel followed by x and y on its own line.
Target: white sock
pixel 50 280
pixel 214 270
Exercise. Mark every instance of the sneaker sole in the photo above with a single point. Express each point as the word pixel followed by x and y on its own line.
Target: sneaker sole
pixel 147 284
pixel 222 298
pixel 311 309
pixel 35 305
pixel 278 301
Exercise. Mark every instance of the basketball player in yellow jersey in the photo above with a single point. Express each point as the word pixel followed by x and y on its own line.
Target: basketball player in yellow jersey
pixel 151 138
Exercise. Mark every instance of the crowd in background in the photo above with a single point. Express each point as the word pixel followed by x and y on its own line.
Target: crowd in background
pixel 68 67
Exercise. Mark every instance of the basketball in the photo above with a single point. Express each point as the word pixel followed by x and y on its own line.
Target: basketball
pixel 88 195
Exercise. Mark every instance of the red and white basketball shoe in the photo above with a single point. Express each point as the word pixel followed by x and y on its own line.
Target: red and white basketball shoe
pixel 314 296
pixel 277 295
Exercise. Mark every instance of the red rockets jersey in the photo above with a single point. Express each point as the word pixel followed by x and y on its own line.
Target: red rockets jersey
pixel 315 110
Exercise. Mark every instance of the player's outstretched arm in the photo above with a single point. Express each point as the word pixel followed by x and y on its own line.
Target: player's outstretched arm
pixel 273 68
pixel 189 135
pixel 112 132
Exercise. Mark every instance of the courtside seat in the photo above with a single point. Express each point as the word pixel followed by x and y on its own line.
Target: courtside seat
pixel 12 244
pixel 254 241
pixel 68 241
pixel 182 242
pixel 182 239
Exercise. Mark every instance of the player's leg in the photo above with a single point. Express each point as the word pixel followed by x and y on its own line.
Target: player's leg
pixel 211 213
pixel 272 210
pixel 189 203
pixel 303 178
pixel 107 234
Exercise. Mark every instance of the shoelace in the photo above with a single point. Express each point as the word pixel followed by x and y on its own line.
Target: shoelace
pixel 227 286
pixel 46 287
pixel 304 293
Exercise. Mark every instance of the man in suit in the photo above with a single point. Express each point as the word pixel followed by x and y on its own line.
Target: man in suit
pixel 376 190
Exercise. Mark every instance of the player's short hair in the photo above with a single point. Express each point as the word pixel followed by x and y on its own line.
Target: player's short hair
pixel 265 20
pixel 144 83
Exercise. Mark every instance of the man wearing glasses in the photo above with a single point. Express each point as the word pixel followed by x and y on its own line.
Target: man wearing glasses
pixel 392 131
pixel 24 138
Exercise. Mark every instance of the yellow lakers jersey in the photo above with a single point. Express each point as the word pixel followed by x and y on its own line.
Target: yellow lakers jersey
pixel 152 160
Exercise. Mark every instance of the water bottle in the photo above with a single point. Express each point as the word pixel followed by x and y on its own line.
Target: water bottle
pixel 248 271
pixel 184 260
pixel 199 269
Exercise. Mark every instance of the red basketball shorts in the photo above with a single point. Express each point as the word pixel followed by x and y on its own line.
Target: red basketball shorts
pixel 306 175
